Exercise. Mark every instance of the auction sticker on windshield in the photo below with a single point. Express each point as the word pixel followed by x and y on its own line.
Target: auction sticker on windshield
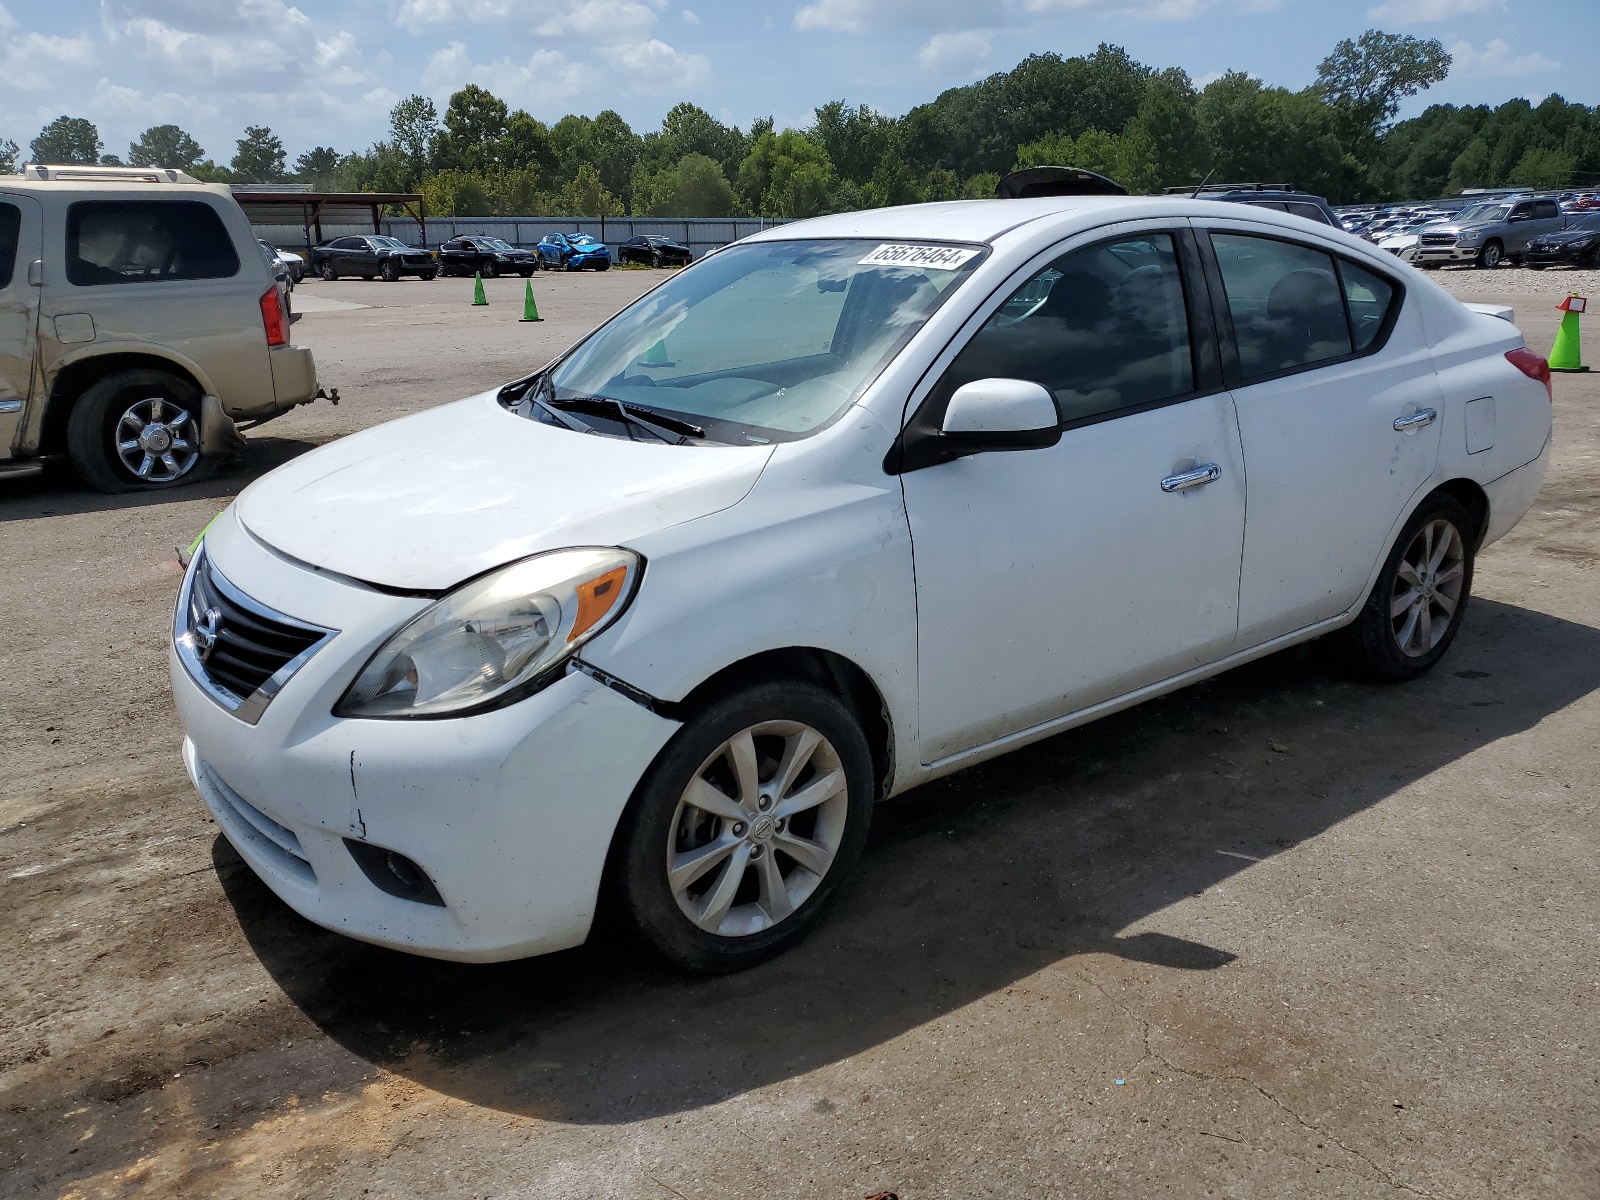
pixel 939 258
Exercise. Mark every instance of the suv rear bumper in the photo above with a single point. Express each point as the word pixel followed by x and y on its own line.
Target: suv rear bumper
pixel 294 376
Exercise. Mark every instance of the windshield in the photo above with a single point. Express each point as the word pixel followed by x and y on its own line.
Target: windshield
pixel 580 239
pixel 389 243
pixel 493 244
pixel 1485 212
pixel 764 342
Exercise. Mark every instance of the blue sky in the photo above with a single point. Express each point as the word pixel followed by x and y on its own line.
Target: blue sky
pixel 322 73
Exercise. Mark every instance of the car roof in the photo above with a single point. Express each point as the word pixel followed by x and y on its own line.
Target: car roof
pixel 988 220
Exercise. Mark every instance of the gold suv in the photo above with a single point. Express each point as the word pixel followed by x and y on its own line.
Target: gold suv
pixel 138 322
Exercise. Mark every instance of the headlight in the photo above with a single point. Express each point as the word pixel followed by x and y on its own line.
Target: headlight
pixel 1470 235
pixel 491 640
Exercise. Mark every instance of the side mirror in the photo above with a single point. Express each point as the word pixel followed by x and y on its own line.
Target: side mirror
pixel 1002 414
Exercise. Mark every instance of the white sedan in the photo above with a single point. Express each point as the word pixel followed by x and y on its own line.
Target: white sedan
pixel 841 508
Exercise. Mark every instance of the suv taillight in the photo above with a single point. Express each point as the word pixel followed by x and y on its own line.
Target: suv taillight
pixel 1534 367
pixel 275 317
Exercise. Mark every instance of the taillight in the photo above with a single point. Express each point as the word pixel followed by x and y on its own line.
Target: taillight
pixel 275 317
pixel 1534 367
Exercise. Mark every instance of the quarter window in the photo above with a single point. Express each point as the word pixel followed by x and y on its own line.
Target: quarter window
pixel 10 231
pixel 116 241
pixel 1102 329
pixel 1309 211
pixel 1369 296
pixel 1286 303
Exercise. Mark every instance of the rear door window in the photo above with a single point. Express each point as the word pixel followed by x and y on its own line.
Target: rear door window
pixel 1103 329
pixel 139 241
pixel 1309 211
pixel 10 232
pixel 1544 210
pixel 1286 303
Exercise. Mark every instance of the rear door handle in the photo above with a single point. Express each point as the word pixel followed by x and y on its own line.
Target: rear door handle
pixel 1416 420
pixel 1198 477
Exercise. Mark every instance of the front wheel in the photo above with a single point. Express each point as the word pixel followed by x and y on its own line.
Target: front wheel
pixel 389 271
pixel 526 272
pixel 603 265
pixel 328 272
pixel 747 827
pixel 1417 604
pixel 137 431
pixel 428 276
pixel 1489 257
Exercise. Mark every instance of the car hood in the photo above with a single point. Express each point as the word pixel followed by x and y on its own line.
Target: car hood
pixel 1562 236
pixel 427 501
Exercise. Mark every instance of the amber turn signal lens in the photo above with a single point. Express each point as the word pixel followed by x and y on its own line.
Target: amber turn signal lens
pixel 595 599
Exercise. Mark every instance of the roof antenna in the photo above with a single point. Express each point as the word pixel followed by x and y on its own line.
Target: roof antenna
pixel 1194 194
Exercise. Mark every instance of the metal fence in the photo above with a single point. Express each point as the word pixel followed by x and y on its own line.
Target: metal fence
pixel 700 234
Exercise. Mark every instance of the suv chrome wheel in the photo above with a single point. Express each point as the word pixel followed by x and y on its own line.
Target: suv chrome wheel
pixel 757 828
pixel 1427 588
pixel 157 440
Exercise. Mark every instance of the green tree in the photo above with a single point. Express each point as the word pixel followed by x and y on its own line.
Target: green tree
pixel 787 174
pixel 585 196
pixel 318 167
pixel 259 157
pixel 165 146
pixel 527 145
pixel 475 122
pixel 413 124
pixel 1365 79
pixel 694 187
pixel 856 139
pixel 9 151
pixel 1542 169
pixel 1168 122
pixel 66 140
pixel 1125 158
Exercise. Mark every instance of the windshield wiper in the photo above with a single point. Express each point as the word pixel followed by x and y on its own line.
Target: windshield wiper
pixel 651 422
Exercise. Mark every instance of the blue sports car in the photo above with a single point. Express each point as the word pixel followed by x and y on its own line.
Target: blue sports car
pixel 574 251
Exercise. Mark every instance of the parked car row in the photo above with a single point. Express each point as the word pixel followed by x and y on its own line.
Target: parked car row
pixel 382 257
pixel 1516 228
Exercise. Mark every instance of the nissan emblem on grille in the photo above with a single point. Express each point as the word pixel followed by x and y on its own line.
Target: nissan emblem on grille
pixel 205 633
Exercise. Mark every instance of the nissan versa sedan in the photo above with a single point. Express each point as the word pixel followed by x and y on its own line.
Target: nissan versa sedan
pixel 843 507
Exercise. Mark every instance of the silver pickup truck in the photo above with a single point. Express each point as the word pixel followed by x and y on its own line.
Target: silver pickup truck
pixel 1488 232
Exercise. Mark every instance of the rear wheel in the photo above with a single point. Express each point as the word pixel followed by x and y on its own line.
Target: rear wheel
pixel 328 272
pixel 746 827
pixel 1418 602
pixel 137 431
pixel 490 270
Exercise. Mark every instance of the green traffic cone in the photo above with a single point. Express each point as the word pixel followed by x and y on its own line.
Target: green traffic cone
pixel 656 356
pixel 477 290
pixel 530 310
pixel 1566 355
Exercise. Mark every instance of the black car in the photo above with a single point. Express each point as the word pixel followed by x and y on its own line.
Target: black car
pixel 1577 245
pixel 1283 197
pixel 371 258
pixel 489 255
pixel 653 249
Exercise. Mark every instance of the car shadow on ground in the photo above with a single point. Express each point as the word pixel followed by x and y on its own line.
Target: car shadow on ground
pixel 969 885
pixel 58 491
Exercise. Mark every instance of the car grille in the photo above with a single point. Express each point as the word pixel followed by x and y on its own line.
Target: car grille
pixel 242 651
pixel 1438 239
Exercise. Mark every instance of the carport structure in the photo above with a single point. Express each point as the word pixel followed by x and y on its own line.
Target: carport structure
pixel 310 209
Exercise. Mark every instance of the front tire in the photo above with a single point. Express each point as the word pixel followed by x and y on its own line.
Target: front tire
pixel 1416 606
pixel 1491 255
pixel 389 272
pixel 137 431
pixel 746 827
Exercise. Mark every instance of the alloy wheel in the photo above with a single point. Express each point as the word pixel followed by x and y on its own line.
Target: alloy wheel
pixel 157 441
pixel 757 828
pixel 1427 588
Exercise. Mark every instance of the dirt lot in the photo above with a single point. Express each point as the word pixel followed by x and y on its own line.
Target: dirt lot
pixel 1278 935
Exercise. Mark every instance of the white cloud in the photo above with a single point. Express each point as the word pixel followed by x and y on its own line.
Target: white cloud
pixel 1497 58
pixel 858 16
pixel 690 17
pixel 618 20
pixel 1166 10
pixel 956 51
pixel 547 76
pixel 1416 12
pixel 654 66
pixel 32 62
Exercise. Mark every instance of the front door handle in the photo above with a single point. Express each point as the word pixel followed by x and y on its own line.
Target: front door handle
pixel 1416 420
pixel 1197 477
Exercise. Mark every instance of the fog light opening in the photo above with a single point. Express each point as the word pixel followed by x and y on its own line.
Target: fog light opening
pixel 393 873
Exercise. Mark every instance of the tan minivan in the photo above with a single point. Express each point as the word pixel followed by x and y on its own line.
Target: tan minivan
pixel 138 322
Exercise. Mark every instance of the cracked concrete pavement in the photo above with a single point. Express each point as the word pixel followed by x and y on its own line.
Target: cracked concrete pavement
pixel 1281 934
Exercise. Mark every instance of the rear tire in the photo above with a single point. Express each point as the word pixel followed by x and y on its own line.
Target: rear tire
pixel 137 431
pixel 1426 579
pixel 328 272
pixel 751 898
pixel 489 270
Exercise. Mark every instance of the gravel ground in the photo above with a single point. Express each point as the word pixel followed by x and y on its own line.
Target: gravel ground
pixel 1281 934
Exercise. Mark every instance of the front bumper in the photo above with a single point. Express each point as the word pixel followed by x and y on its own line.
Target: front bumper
pixel 509 813
pixel 579 261
pixel 1556 255
pixel 1447 254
